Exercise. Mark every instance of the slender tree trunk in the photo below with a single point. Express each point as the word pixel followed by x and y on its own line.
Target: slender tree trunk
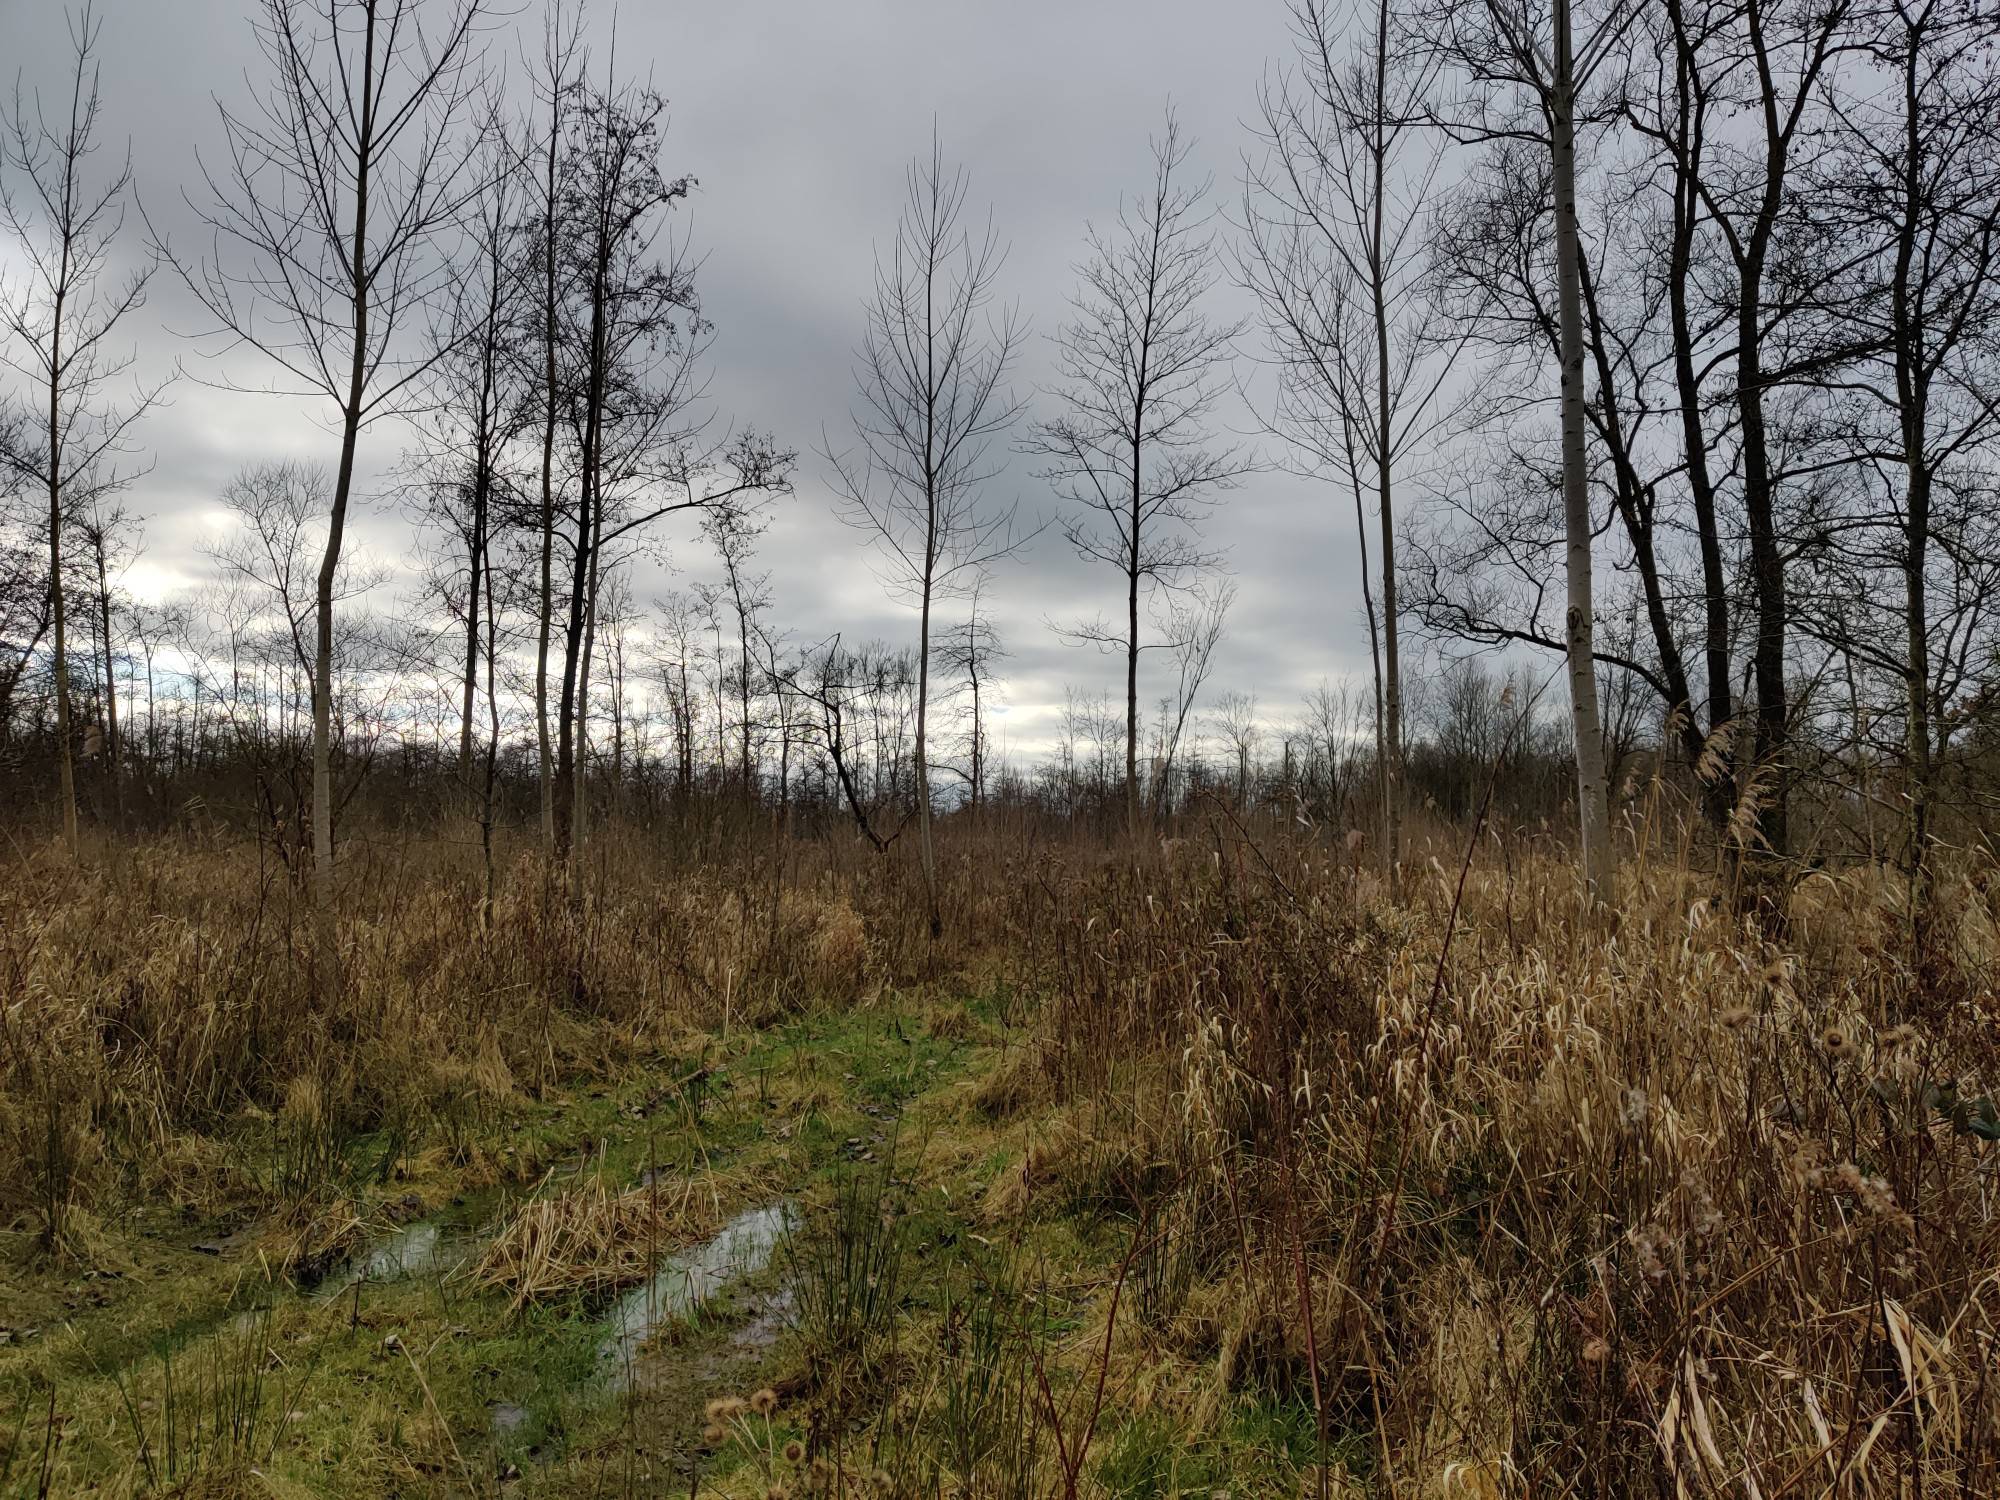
pixel 1132 654
pixel 922 760
pixel 1913 403
pixel 978 733
pixel 544 755
pixel 1385 437
pixel 328 977
pixel 1384 785
pixel 570 728
pixel 111 739
pixel 1720 797
pixel 579 779
pixel 485 441
pixel 565 766
pixel 490 780
pixel 1593 795
pixel 684 711
pixel 743 691
pixel 1767 558
pixel 58 604
pixel 1384 778
pixel 469 686
pixel 615 659
pixel 59 665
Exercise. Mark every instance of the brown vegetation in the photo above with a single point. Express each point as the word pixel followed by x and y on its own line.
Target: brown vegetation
pixel 1521 1199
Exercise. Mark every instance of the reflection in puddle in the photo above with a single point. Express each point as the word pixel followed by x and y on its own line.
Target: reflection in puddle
pixel 415 1249
pixel 410 1249
pixel 688 1279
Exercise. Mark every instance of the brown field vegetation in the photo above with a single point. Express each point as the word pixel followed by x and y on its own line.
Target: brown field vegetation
pixel 1496 1196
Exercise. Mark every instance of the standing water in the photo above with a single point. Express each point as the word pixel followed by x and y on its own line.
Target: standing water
pixel 689 1278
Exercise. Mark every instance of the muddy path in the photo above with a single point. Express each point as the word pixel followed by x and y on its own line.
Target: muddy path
pixel 192 1354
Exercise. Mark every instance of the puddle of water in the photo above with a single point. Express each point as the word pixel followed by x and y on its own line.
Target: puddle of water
pixel 415 1249
pixel 410 1249
pixel 688 1279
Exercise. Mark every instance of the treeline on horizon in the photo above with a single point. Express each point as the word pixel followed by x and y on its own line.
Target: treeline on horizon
pixel 1651 346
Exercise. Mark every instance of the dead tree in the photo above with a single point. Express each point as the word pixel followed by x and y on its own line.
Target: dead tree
pixel 932 374
pixel 1336 218
pixel 1141 369
pixel 1913 178
pixel 547 277
pixel 1525 73
pixel 59 313
pixel 1195 630
pixel 631 339
pixel 477 401
pixel 969 650
pixel 106 534
pixel 329 217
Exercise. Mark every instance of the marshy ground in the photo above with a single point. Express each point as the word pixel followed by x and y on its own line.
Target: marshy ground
pixel 1221 1171
pixel 600 1291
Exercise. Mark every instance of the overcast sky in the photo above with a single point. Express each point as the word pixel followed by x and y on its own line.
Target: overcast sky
pixel 798 118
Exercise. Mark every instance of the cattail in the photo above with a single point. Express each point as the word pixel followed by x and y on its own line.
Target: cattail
pixel 1636 1109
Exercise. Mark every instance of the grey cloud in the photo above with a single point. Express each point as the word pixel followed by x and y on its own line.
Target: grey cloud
pixel 797 119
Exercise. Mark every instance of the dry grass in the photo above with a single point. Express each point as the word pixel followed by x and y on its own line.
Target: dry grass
pixel 590 1240
pixel 1595 1206
pixel 1526 1200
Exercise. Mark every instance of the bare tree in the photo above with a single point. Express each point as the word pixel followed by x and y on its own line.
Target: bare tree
pixel 1140 371
pixel 1195 629
pixel 734 535
pixel 267 599
pixel 59 317
pixel 969 651
pixel 327 220
pixel 1236 724
pixel 24 585
pixel 672 655
pixel 1335 250
pixel 632 337
pixel 1524 50
pixel 1913 174
pixel 932 374
pixel 555 78
pixel 106 535
pixel 478 406
pixel 837 681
